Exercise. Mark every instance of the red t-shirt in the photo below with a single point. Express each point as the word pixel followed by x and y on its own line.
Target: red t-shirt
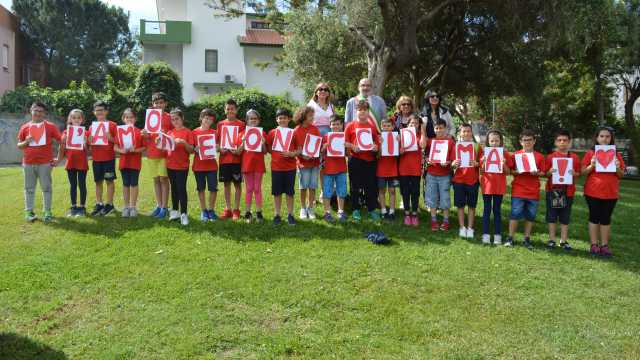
pixel 300 135
pixel 252 161
pixel 410 163
pixel 152 150
pixel 279 162
pixel 132 160
pixel 38 155
pixel 227 157
pixel 333 165
pixel 76 159
pixel 105 152
pixel 601 185
pixel 495 184
pixel 469 175
pixel 438 169
pixel 350 137
pixel 198 164
pixel 387 166
pixel 525 185
pixel 571 189
pixel 178 159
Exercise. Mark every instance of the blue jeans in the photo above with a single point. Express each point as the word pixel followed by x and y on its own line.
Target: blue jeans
pixel 308 178
pixel 492 203
pixel 335 183
pixel 437 192
pixel 523 209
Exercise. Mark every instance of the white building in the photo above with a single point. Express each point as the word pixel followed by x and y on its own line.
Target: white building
pixel 213 54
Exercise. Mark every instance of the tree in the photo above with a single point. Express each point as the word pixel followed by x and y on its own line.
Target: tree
pixel 156 77
pixel 75 39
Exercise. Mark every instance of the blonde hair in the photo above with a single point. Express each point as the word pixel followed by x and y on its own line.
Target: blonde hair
pixel 315 92
pixel 402 99
pixel 75 111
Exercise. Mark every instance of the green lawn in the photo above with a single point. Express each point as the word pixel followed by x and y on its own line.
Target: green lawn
pixel 112 288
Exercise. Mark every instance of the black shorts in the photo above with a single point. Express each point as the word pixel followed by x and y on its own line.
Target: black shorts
pixel 104 170
pixel 283 182
pixel 230 173
pixel 559 215
pixel 600 210
pixel 206 179
pixel 129 177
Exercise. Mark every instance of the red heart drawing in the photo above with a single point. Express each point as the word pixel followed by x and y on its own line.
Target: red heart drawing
pixel 36 132
pixel 605 157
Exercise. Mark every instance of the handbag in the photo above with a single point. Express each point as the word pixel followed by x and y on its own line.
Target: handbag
pixel 558 198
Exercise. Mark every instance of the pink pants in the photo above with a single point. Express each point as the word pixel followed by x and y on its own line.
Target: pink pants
pixel 253 185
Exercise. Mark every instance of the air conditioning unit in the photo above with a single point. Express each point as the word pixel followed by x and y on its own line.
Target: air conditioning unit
pixel 228 78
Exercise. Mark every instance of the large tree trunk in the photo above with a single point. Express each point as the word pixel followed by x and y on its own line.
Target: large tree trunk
pixel 598 94
pixel 630 124
pixel 377 69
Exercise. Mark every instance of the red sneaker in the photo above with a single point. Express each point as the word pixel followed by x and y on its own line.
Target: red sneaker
pixel 444 226
pixel 236 214
pixel 414 220
pixel 434 225
pixel 226 214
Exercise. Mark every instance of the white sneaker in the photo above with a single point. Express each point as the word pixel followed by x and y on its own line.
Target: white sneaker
pixel 311 214
pixel 133 212
pixel 463 232
pixel 486 239
pixel 125 212
pixel 303 214
pixel 470 233
pixel 174 215
pixel 184 219
pixel 497 239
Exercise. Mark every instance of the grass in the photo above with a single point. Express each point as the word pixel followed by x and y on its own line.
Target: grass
pixel 112 288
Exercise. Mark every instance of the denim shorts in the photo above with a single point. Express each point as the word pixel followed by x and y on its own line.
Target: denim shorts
pixel 388 182
pixel 308 178
pixel 335 183
pixel 437 191
pixel 465 195
pixel 523 209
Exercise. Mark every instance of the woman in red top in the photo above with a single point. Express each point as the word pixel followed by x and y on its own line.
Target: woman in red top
pixel 77 165
pixel 493 185
pixel 178 166
pixel 466 181
pixel 601 192
pixel 130 161
pixel 410 169
pixel 253 168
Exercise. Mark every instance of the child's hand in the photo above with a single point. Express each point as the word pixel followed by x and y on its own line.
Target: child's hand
pixel 179 141
pixel 456 163
pixel 593 161
pixel 28 139
pixel 618 164
pixel 305 157
pixel 90 139
pixel 109 137
pixel 374 148
pixel 445 163
pixel 401 150
pixel 196 149
pixel 324 147
pixel 571 172
pixel 144 132
pixel 223 151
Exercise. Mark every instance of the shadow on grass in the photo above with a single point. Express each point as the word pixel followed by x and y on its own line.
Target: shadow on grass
pixel 14 346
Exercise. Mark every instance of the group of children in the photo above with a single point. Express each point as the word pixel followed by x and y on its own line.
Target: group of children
pixel 371 174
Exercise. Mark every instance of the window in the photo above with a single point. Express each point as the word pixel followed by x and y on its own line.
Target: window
pixel 211 60
pixel 259 25
pixel 5 57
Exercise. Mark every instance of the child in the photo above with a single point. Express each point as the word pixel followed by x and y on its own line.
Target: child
pixel 493 186
pixel 206 171
pixel 253 169
pixel 439 179
pixel 37 161
pixel 308 167
pixel 334 175
pixel 387 177
pixel 130 164
pixel 104 161
pixel 178 166
pixel 525 190
pixel 362 163
pixel 283 170
pixel 156 158
pixel 601 192
pixel 77 166
pixel 563 214
pixel 466 183
pixel 410 170
pixel 230 160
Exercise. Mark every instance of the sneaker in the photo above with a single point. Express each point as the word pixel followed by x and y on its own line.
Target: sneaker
pixel 414 220
pixel 81 211
pixel 174 215
pixel 565 245
pixel 391 216
pixel 133 212
pixel 72 211
pixel 497 239
pixel 328 218
pixel 226 214
pixel 155 212
pixel 528 244
pixel 551 244
pixel 291 220
pixel 184 219
pixel 342 217
pixel 408 220
pixel 462 232
pixel 48 217
pixel 259 216
pixel 247 216
pixel 204 215
pixel 212 215
pixel 125 213
pixel 97 210
pixel 107 209
pixel 311 214
pixel 509 242
pixel 163 213
pixel 303 214
pixel 356 215
pixel 277 220
pixel 444 226
pixel 235 214
pixel 470 233
pixel 595 249
pixel 434 225
pixel 486 239
pixel 374 215
pixel 604 249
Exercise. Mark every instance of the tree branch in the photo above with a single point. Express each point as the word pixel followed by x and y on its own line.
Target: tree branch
pixel 436 11
pixel 368 42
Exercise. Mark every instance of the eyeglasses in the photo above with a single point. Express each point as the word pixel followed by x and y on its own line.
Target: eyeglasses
pixel 405 104
pixel 324 89
pixel 433 96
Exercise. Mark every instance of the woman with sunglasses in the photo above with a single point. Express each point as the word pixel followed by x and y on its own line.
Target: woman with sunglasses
pixel 405 107
pixel 432 111
pixel 323 109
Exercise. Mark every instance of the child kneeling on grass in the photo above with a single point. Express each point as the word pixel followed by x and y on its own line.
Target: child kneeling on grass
pixel 334 175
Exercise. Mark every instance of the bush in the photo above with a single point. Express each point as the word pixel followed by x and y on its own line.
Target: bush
pixel 20 99
pixel 155 77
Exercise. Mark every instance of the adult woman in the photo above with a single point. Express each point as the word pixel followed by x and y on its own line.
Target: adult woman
pixel 405 107
pixel 432 110
pixel 323 109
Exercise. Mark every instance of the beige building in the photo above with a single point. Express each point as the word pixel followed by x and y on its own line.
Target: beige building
pixel 10 65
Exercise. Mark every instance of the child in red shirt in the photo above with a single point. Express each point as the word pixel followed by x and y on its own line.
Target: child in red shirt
pixel 38 159
pixel 334 175
pixel 410 169
pixel 205 171
pixel 130 162
pixel 103 160
pixel 466 181
pixel 230 162
pixel 387 174
pixel 77 165
pixel 283 168
pixel 253 168
pixel 555 213
pixel 525 189
pixel 601 192
pixel 308 167
pixel 494 186
pixel 439 179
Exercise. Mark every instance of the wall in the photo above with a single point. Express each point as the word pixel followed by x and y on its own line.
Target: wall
pixel 8 26
pixel 9 126
pixel 171 54
pixel 269 80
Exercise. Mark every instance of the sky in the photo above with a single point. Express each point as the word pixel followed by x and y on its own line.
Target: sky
pixel 139 9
